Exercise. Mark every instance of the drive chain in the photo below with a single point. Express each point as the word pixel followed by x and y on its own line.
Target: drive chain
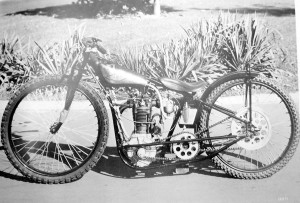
pixel 177 159
pixel 201 150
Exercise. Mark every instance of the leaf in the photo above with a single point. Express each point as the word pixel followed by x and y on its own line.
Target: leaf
pixel 47 59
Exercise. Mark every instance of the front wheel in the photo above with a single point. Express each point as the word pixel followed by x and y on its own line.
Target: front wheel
pixel 272 137
pixel 59 157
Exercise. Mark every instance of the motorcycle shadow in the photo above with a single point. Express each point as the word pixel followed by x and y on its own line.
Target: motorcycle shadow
pixel 112 165
pixel 8 171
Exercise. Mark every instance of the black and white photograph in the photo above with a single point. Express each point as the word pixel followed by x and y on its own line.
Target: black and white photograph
pixel 149 101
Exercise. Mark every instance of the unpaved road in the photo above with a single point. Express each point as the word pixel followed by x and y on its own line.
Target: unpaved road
pixel 111 181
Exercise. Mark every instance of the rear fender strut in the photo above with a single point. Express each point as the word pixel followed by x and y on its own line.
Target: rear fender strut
pixel 221 80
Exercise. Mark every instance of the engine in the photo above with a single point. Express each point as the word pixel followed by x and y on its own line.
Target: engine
pixel 142 114
pixel 150 115
pixel 147 117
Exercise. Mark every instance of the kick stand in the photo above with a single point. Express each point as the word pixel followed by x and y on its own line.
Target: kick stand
pixel 182 169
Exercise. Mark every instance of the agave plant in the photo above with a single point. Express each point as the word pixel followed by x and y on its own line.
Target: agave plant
pixel 212 47
pixel 131 59
pixel 59 58
pixel 167 60
pixel 205 35
pixel 238 41
pixel 179 59
pixel 248 42
pixel 14 62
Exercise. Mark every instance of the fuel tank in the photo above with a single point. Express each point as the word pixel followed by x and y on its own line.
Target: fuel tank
pixel 119 76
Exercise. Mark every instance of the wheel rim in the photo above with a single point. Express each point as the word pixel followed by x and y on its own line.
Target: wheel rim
pixel 273 111
pixel 53 154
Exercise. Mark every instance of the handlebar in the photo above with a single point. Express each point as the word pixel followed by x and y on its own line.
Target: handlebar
pixel 94 53
pixel 92 42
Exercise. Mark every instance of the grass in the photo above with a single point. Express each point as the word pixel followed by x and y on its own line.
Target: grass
pixel 132 31
pixel 136 31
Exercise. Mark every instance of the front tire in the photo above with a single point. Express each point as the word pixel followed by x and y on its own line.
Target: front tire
pixel 269 148
pixel 62 157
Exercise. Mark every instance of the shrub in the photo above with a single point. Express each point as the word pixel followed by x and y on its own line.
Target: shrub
pixel 131 59
pixel 213 47
pixel 210 49
pixel 188 59
pixel 248 42
pixel 15 64
pixel 180 59
pixel 97 8
pixel 20 62
pixel 59 58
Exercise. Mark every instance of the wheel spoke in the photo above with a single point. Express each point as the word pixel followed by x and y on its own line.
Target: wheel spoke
pixel 270 133
pixel 39 151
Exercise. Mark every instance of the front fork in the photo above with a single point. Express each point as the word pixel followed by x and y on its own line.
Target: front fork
pixel 72 83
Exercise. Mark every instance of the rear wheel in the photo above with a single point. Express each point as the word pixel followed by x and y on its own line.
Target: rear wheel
pixel 274 136
pixel 54 157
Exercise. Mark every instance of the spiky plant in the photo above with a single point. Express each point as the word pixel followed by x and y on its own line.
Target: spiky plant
pixel 240 41
pixel 132 59
pixel 248 42
pixel 59 58
pixel 14 62
pixel 180 59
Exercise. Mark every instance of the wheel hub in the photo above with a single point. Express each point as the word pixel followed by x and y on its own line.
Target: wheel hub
pixel 258 134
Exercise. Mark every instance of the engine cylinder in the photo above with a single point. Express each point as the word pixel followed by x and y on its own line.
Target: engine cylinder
pixel 142 117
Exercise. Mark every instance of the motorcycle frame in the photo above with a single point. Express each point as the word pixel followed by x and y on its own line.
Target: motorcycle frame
pixel 247 75
pixel 76 75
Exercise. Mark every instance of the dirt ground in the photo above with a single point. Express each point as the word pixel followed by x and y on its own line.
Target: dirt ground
pixel 111 181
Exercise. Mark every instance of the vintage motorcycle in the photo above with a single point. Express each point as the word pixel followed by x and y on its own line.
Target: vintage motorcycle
pixel 55 128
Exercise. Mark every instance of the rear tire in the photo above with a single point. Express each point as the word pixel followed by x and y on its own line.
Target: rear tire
pixel 66 155
pixel 274 114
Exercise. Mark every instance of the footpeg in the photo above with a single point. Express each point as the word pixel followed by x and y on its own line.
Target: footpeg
pixel 170 156
pixel 55 127
pixel 182 170
pixel 62 117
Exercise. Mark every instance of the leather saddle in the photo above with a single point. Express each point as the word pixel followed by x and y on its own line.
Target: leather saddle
pixel 178 85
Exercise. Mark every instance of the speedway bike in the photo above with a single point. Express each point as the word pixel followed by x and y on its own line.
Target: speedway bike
pixel 55 128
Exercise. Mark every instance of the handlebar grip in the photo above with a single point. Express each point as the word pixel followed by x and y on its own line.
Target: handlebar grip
pixel 101 48
pixel 94 42
pixel 88 42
